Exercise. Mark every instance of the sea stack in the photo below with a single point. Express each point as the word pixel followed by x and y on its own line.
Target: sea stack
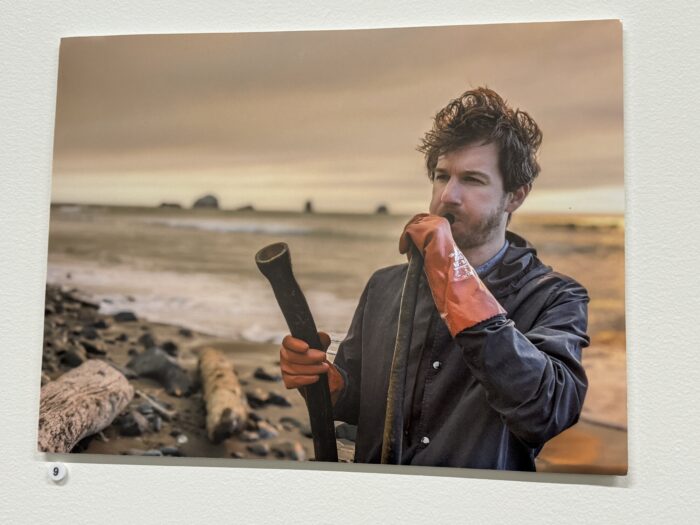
pixel 207 201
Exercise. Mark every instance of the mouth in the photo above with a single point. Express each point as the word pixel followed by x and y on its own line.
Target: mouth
pixel 450 218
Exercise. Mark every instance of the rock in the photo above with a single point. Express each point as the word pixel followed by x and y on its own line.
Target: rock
pixel 345 431
pixel 259 449
pixel 125 317
pixel 175 205
pixel 156 422
pixel 171 451
pixel 278 400
pixel 170 348
pixel 290 450
pixel 261 373
pixel 145 409
pixel 266 430
pixel 132 352
pixel 257 398
pixel 248 207
pixel 93 348
pixel 152 452
pixel 155 364
pixel 147 340
pixel 100 324
pixel 185 332
pixel 133 424
pixel 306 431
pixel 207 201
pixel 308 207
pixel 72 358
pixel 122 337
pixel 382 210
pixel 290 421
pixel 182 439
pixel 248 436
pixel 237 455
pixel 90 333
pixel 255 417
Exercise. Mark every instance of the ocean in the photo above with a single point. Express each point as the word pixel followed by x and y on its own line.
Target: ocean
pixel 196 268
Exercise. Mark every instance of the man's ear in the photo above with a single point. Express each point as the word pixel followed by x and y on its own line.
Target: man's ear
pixel 517 197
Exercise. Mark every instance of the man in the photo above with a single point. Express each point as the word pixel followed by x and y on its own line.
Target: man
pixel 495 360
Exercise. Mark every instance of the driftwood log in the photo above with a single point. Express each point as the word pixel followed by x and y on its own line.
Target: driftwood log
pixel 80 403
pixel 227 408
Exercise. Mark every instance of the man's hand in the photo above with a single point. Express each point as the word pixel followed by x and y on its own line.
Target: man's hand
pixel 302 365
pixel 460 297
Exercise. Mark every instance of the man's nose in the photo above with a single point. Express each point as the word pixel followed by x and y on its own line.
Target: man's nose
pixel 451 192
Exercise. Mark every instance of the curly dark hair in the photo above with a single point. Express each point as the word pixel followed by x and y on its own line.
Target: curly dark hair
pixel 481 115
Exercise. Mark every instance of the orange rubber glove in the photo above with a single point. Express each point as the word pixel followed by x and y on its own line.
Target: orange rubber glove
pixel 301 365
pixel 460 296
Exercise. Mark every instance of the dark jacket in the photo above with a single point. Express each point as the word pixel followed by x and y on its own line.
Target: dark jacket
pixel 489 398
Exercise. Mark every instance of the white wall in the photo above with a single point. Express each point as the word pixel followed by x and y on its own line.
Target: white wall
pixel 662 72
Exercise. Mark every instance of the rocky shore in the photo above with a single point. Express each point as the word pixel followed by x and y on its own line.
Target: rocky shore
pixel 166 416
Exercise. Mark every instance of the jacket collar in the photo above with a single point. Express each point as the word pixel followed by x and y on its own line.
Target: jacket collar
pixel 519 266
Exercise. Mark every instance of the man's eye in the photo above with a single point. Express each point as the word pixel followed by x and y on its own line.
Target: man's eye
pixel 441 177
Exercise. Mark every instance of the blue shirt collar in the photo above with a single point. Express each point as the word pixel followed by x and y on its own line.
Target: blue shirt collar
pixel 493 261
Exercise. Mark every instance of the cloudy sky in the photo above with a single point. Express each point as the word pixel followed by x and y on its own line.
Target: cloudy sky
pixel 273 119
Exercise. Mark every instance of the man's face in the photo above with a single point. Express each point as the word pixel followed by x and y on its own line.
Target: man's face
pixel 468 184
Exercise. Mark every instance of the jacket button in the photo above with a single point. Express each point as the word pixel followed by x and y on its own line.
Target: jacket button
pixel 425 440
pixel 436 365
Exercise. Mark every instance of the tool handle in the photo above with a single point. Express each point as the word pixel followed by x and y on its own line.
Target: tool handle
pixel 275 263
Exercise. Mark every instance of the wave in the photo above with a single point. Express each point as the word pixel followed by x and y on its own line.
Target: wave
pixel 232 227
pixel 276 228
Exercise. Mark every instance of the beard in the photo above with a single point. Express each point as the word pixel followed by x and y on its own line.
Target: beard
pixel 480 233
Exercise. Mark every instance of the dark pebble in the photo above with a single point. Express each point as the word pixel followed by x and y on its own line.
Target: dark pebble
pixel 72 358
pixel 237 455
pixel 257 398
pixel 124 317
pixel 147 341
pixel 132 351
pixel 91 348
pixel 267 431
pixel 122 337
pixel 152 452
pixel 185 332
pixel 171 451
pixel 259 449
pixel 278 400
pixel 100 324
pixel 255 416
pixel 261 373
pixel 291 421
pixel 248 436
pixel 145 409
pixel 170 348
pixel 156 423
pixel 175 432
pixel 90 333
pixel 290 450
pixel 133 424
